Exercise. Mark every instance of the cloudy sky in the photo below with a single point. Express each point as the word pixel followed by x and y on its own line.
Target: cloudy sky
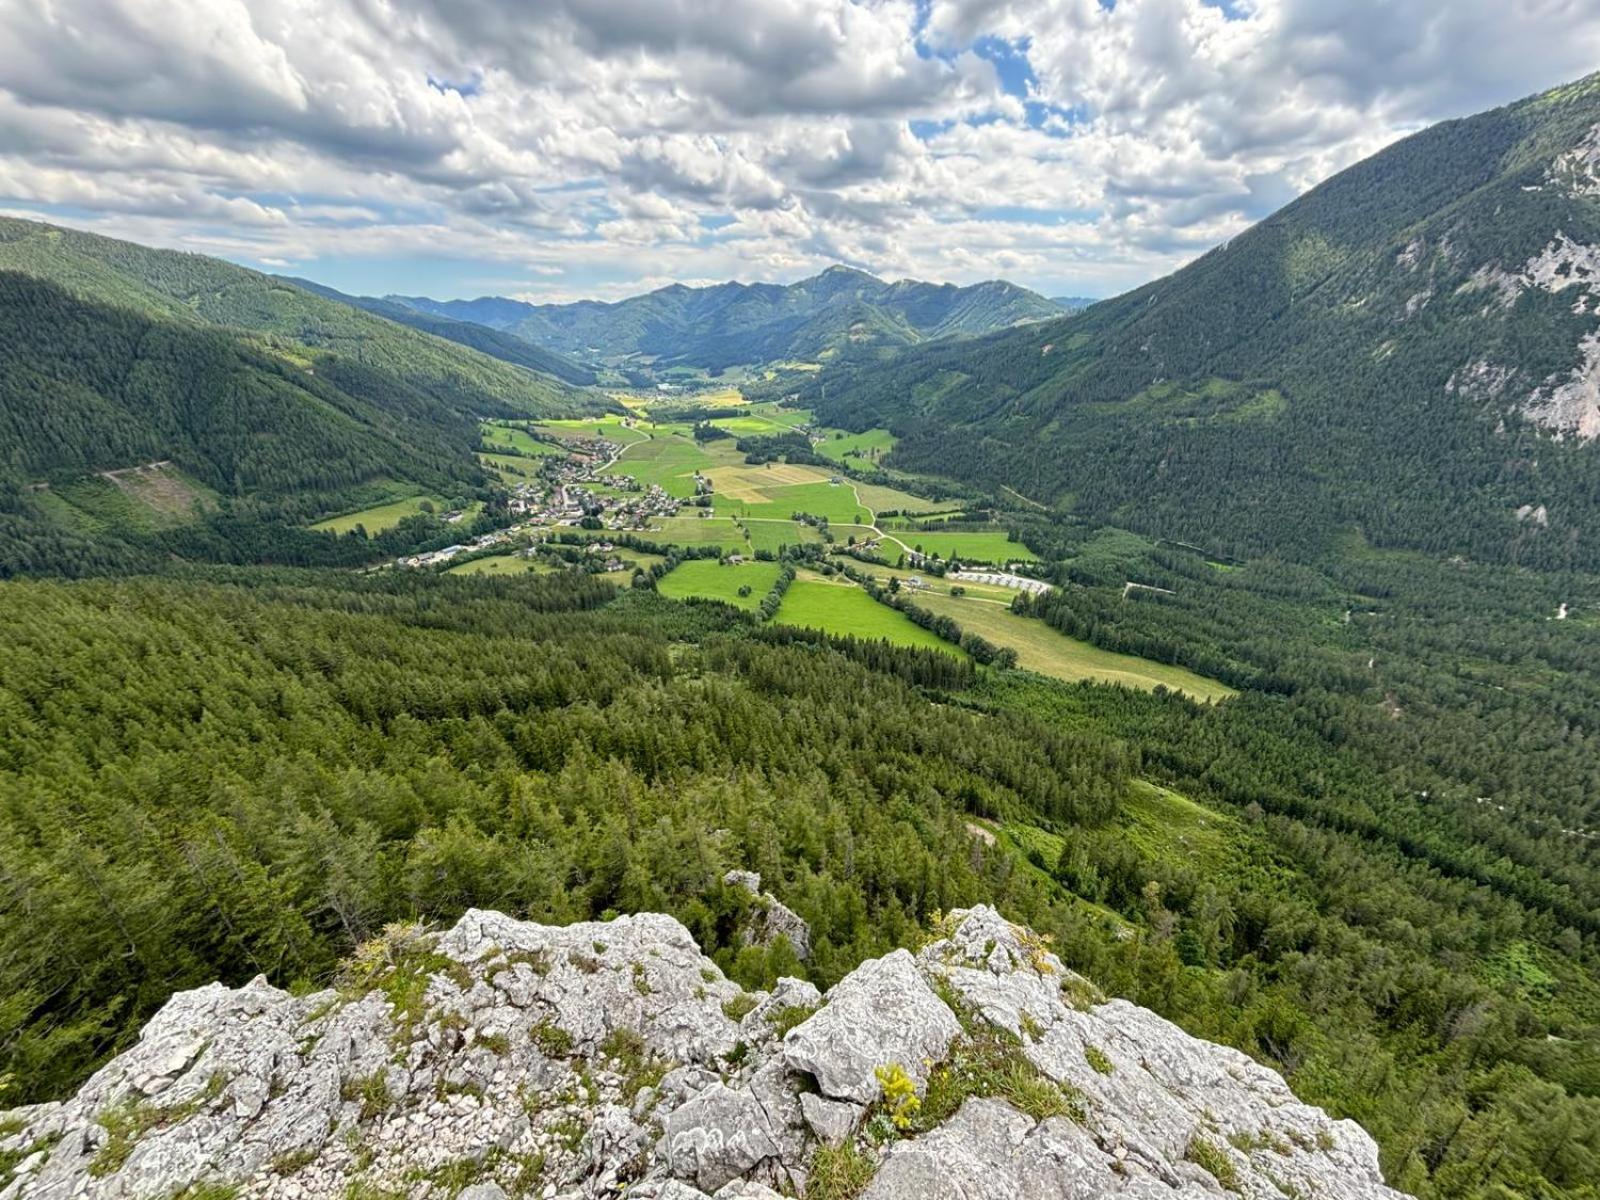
pixel 556 149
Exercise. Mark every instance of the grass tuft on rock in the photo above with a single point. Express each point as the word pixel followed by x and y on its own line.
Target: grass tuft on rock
pixel 839 1173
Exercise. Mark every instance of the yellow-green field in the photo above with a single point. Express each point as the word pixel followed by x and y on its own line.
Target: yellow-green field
pixel 835 501
pixel 609 427
pixel 843 608
pixel 776 491
pixel 709 579
pixel 153 496
pixel 761 426
pixel 1165 824
pixel 774 535
pixel 509 466
pixel 670 460
pixel 883 499
pixel 696 531
pixel 1041 648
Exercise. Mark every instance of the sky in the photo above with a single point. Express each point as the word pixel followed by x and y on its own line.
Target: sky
pixel 562 149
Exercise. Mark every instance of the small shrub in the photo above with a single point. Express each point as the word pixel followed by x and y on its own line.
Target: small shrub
pixel 640 1068
pixel 1032 1093
pixel 128 1122
pixel 569 1132
pixel 360 1189
pixel 400 963
pixel 210 1190
pixel 1080 993
pixel 372 1091
pixel 987 1063
pixel 530 1171
pixel 555 1041
pixel 498 1042
pixel 789 1016
pixel 1214 1160
pixel 739 1007
pixel 288 1164
pixel 1097 1059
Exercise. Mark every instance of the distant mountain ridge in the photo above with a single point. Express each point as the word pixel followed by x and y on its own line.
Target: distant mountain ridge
pixel 1409 353
pixel 841 313
pixel 485 338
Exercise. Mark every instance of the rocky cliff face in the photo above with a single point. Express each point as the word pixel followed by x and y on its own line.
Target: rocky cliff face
pixel 504 1058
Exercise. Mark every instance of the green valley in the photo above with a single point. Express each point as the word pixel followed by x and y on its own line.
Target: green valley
pixel 1237 636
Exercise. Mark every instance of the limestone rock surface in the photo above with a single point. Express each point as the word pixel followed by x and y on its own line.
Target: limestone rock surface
pixel 502 1058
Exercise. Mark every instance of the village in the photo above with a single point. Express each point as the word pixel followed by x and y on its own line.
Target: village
pixel 573 490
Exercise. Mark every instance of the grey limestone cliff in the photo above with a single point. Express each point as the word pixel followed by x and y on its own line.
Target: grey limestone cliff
pixel 504 1058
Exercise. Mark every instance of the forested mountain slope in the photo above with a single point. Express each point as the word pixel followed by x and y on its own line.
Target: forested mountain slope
pixel 192 289
pixel 114 424
pixel 485 338
pixel 221 774
pixel 91 387
pixel 1412 349
pixel 262 405
pixel 841 313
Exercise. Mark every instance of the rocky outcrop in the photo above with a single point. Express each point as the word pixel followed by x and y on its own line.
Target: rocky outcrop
pixel 1568 402
pixel 503 1058
pixel 771 919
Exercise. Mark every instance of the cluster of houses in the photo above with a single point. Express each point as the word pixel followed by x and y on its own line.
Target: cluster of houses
pixel 563 492
pixel 562 495
pixel 433 558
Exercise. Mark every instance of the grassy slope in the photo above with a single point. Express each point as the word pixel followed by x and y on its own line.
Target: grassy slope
pixel 977 546
pixel 843 608
pixel 709 579
pixel 501 564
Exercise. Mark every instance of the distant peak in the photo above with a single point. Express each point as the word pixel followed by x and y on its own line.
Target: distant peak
pixel 840 271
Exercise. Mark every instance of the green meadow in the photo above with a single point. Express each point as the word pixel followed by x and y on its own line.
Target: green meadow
pixel 709 579
pixel 696 531
pixel 774 535
pixel 986 546
pixel 837 502
pixel 500 564
pixel 519 440
pixel 843 608
pixel 383 516
pixel 866 447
